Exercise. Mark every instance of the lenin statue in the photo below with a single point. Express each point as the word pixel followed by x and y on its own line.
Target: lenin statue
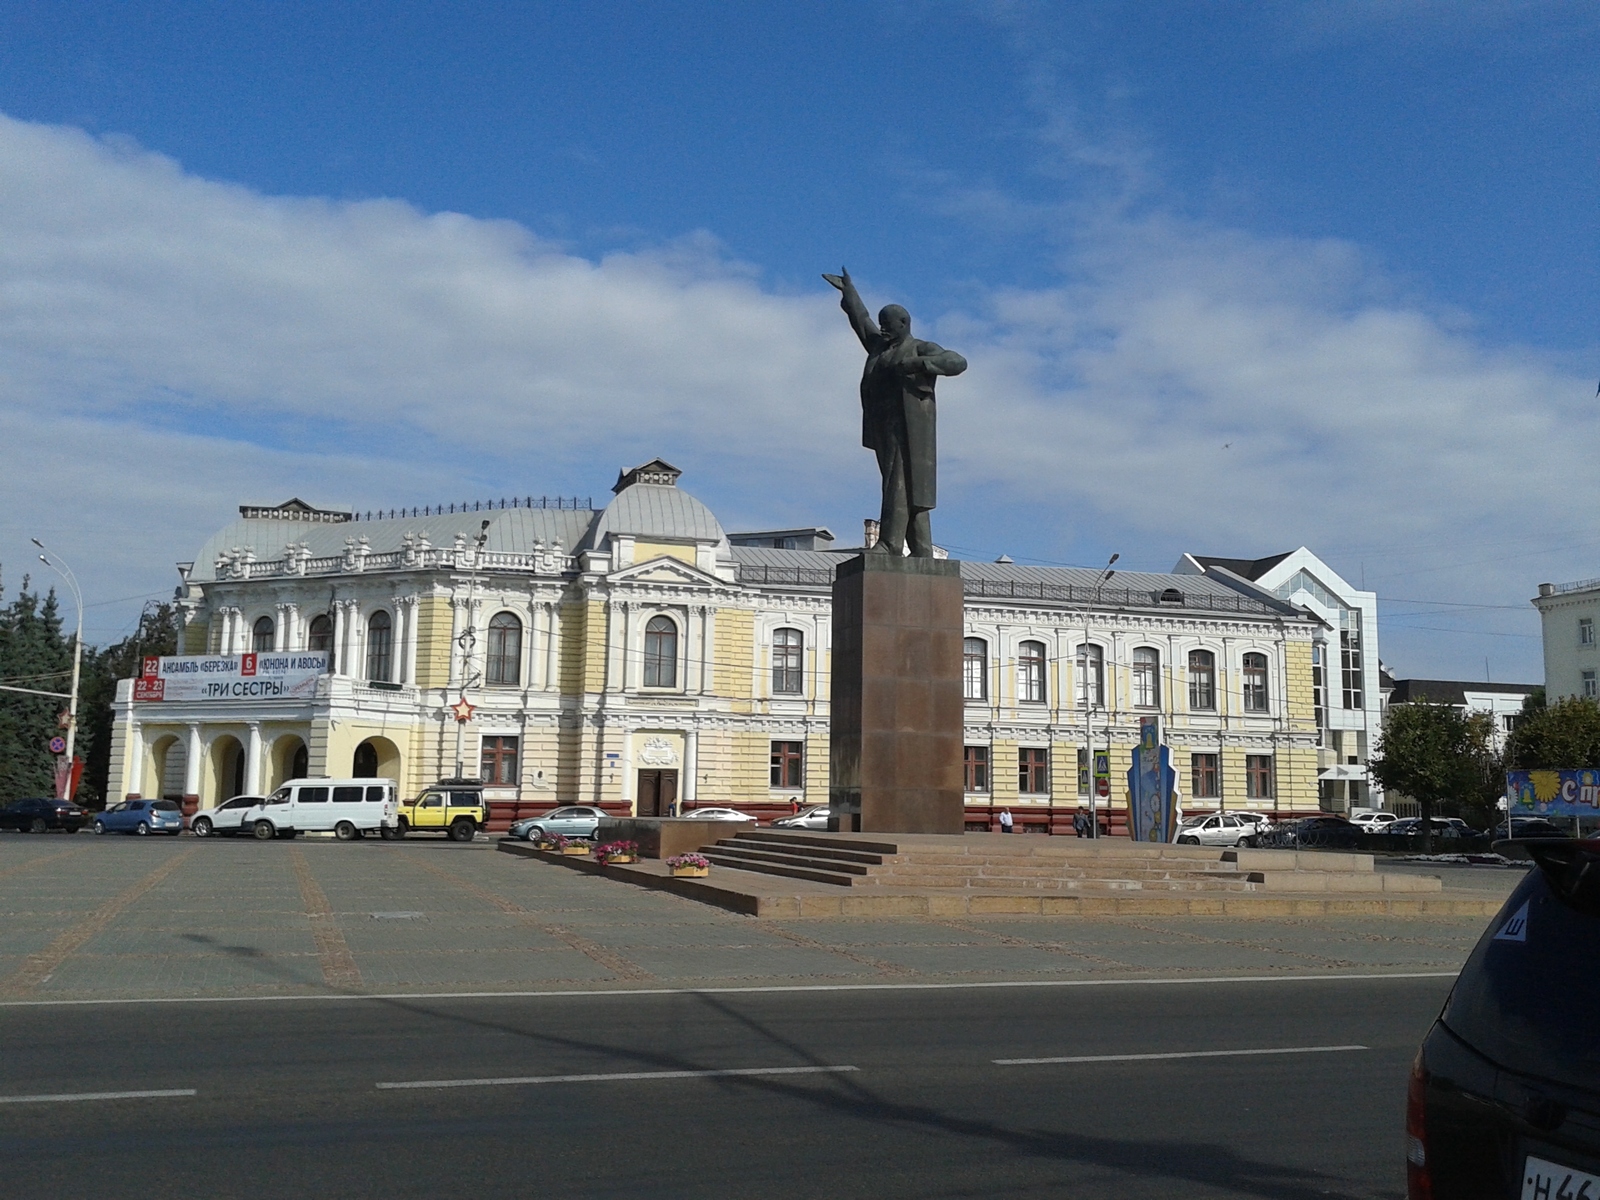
pixel 897 417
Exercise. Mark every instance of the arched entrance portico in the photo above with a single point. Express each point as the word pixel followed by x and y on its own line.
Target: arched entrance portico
pixel 162 771
pixel 290 760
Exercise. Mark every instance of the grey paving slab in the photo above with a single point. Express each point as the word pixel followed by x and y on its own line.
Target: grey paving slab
pixel 392 937
pixel 483 969
pixel 177 975
pixel 981 959
pixel 122 940
pixel 728 963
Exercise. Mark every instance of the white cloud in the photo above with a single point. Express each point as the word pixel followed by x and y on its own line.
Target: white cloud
pixel 171 347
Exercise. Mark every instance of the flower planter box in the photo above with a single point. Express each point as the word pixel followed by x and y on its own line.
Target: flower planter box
pixel 574 849
pixel 690 872
pixel 619 859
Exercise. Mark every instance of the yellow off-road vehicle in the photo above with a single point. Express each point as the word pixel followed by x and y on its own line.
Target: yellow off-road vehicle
pixel 452 806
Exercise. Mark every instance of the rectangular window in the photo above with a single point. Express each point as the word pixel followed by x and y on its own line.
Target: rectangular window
pixel 975 669
pixel 1033 772
pixel 1589 688
pixel 1091 676
pixel 1258 776
pixel 787 758
pixel 976 760
pixel 788 662
pixel 1205 782
pixel 1585 631
pixel 312 795
pixel 1146 678
pixel 347 795
pixel 1030 673
pixel 499 761
pixel 1350 663
pixel 375 795
pixel 1508 722
pixel 1255 683
pixel 1202 681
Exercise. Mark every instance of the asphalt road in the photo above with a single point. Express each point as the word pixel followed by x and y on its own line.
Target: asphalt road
pixel 890 1092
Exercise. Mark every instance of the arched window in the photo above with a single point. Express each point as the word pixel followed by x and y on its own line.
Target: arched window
pixel 1030 673
pixel 661 653
pixel 1202 681
pixel 788 662
pixel 505 650
pixel 261 636
pixel 320 635
pixel 1091 676
pixel 1146 677
pixel 1255 683
pixel 974 669
pixel 380 646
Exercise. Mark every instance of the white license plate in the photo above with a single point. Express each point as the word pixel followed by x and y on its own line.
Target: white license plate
pixel 1545 1180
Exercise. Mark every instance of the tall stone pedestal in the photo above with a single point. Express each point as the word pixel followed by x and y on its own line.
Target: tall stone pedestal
pixel 896 730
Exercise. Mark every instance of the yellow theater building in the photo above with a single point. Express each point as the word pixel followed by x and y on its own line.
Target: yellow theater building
pixel 637 656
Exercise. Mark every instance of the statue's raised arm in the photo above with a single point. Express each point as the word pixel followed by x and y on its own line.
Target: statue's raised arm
pixel 872 338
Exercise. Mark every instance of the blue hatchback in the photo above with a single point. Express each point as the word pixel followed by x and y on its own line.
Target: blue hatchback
pixel 141 817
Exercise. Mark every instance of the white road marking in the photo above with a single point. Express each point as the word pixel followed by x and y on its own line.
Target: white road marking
pixel 1103 1058
pixel 617 1075
pixel 1331 977
pixel 68 1097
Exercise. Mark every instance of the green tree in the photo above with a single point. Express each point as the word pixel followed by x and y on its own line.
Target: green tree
pixel 33 654
pixel 1565 734
pixel 1439 756
pixel 157 633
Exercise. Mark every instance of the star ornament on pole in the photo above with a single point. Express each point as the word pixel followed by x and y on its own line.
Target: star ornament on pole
pixel 463 710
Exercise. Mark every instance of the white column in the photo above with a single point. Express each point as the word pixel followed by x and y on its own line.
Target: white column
pixel 552 647
pixel 408 664
pixel 133 777
pixel 336 652
pixel 614 645
pixel 252 761
pixel 191 762
pixel 632 647
pixel 398 647
pixel 352 640
pixel 293 635
pixel 691 764
pixel 280 634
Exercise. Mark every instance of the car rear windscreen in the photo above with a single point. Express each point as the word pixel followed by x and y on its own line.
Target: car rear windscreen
pixel 347 795
pixel 313 795
pixel 1528 997
pixel 165 805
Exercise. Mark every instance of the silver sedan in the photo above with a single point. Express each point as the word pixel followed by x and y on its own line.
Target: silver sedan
pixel 572 821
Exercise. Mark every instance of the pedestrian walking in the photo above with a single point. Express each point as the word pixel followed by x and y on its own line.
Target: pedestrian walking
pixel 1005 820
pixel 1080 822
pixel 794 806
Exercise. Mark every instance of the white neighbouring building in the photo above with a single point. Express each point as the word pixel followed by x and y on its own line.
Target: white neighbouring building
pixel 1344 663
pixel 1568 616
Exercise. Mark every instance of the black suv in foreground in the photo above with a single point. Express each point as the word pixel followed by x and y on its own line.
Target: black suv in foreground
pixel 1504 1100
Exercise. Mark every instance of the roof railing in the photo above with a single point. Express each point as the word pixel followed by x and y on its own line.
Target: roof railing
pixel 1581 585
pixel 572 503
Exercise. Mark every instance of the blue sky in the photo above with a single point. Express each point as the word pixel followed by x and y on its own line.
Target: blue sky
pixel 1232 277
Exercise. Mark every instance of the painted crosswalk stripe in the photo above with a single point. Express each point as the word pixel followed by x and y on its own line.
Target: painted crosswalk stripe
pixel 615 1075
pixel 1104 1058
pixel 68 1097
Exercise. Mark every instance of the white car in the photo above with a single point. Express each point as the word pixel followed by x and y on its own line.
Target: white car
pixel 1218 829
pixel 1374 822
pixel 226 818
pixel 815 817
pixel 717 814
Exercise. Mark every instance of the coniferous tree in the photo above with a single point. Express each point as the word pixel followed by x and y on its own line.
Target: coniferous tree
pixel 33 654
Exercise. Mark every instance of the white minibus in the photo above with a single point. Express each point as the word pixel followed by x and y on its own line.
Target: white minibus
pixel 347 808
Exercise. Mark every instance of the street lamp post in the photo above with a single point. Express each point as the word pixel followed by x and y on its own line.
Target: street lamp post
pixel 1090 699
pixel 60 567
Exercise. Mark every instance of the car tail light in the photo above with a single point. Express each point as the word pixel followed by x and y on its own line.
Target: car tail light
pixel 1419 1180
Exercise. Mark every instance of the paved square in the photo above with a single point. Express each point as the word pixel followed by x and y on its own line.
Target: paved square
pixel 87 918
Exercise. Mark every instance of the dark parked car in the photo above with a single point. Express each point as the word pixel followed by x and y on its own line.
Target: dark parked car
pixel 1529 827
pixel 36 816
pixel 1309 833
pixel 1504 1099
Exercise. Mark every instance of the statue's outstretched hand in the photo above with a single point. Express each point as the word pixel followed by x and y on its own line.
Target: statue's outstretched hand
pixel 840 281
